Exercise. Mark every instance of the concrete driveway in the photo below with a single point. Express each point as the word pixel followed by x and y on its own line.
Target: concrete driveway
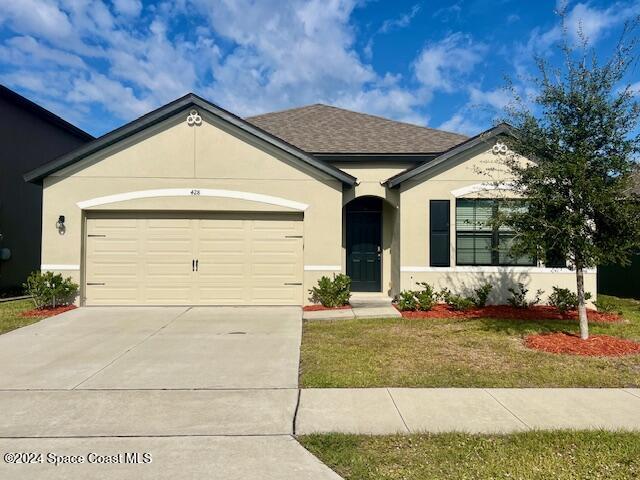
pixel 208 392
pixel 155 348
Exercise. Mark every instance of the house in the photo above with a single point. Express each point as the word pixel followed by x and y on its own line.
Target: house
pixel 191 204
pixel 29 137
pixel 622 281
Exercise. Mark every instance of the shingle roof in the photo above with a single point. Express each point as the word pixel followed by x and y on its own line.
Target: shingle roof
pixel 325 129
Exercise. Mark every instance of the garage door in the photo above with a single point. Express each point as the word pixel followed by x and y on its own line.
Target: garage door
pixel 217 259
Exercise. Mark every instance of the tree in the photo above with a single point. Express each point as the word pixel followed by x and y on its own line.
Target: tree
pixel 577 134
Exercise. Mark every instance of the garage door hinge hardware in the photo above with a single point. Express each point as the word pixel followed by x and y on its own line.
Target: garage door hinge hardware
pixel 293 283
pixel 90 235
pixel 95 283
pixel 293 236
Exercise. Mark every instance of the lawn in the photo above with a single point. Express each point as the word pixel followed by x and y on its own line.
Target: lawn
pixel 530 455
pixel 10 315
pixel 459 353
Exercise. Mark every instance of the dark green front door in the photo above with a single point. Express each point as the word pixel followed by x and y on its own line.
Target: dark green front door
pixel 364 244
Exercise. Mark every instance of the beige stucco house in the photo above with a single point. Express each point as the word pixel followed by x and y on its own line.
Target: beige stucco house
pixel 191 204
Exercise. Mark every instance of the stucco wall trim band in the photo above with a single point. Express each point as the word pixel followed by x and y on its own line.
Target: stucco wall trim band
pixel 492 269
pixel 193 192
pixel 51 266
pixel 322 268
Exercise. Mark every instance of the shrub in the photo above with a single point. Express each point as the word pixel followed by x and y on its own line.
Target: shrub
pixel 407 301
pixel 481 294
pixel 564 299
pixel 426 298
pixel 607 306
pixel 50 290
pixel 332 292
pixel 456 302
pixel 518 297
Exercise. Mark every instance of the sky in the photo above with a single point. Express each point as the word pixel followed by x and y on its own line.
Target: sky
pixel 100 64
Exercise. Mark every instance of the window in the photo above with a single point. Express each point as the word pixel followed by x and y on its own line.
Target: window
pixel 478 242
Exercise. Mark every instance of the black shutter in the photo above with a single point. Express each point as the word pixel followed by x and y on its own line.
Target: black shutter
pixel 439 227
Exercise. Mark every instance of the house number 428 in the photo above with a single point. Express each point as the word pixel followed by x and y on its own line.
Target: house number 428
pixel 195 192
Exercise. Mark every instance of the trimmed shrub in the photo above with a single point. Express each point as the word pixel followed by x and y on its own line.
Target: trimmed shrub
pixel 564 299
pixel 481 294
pixel 50 290
pixel 607 306
pixel 426 298
pixel 518 297
pixel 332 292
pixel 455 301
pixel 407 301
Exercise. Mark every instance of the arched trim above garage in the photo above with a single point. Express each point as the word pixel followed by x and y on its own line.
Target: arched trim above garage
pixel 193 192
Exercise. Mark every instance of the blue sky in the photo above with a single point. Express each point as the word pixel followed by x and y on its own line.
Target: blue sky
pixel 100 64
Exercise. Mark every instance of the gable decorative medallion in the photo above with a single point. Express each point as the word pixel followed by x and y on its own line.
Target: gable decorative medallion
pixel 500 149
pixel 194 118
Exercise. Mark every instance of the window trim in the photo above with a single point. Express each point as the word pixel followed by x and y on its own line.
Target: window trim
pixel 495 238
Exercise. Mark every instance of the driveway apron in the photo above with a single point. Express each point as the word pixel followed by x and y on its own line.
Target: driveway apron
pixel 206 392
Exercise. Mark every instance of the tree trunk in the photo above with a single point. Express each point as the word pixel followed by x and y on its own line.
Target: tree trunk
pixel 582 308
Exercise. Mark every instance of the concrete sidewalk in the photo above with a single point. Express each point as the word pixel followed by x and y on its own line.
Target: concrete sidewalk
pixel 500 410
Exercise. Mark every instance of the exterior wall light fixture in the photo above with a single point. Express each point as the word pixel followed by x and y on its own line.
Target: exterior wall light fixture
pixel 60 225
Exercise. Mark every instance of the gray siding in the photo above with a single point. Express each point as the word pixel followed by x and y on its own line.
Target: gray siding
pixel 27 140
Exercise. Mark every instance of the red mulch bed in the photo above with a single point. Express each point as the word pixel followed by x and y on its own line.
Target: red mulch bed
pixel 539 312
pixel 318 308
pixel 594 346
pixel 47 312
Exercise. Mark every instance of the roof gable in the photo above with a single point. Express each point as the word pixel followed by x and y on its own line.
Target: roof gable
pixel 449 155
pixel 182 104
pixel 323 129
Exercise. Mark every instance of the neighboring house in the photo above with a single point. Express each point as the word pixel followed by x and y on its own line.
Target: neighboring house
pixel 29 137
pixel 191 204
pixel 622 281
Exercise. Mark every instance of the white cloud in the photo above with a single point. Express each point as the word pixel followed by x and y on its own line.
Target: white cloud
pixel 512 18
pixel 110 94
pixel 400 22
pixel 440 65
pixel 497 99
pixel 128 8
pixel 22 47
pixel 593 22
pixel 127 57
pixel 460 123
pixel 393 102
pixel 390 25
pixel 36 17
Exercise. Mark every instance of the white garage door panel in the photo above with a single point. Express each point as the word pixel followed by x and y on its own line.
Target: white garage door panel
pixel 251 259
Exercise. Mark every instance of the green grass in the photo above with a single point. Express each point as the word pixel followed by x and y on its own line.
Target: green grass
pixel 10 317
pixel 459 353
pixel 557 455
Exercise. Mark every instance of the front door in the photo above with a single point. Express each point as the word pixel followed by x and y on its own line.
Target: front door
pixel 364 244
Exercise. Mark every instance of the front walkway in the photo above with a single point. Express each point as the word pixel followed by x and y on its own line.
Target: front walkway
pixel 363 305
pixel 381 411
